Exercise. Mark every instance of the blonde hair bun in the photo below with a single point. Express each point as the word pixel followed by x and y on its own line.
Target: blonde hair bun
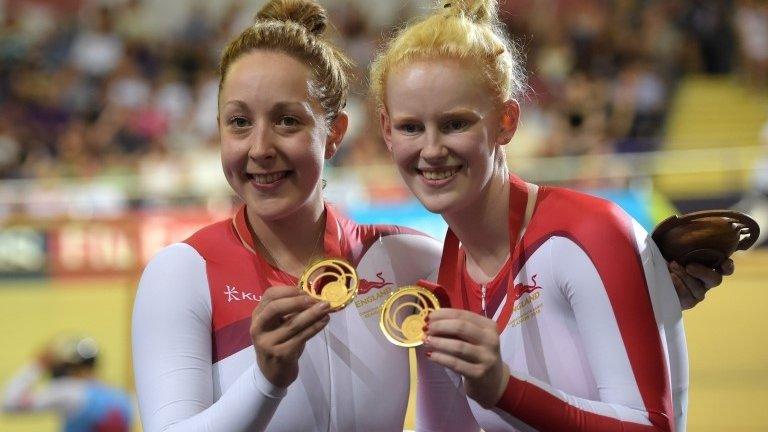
pixel 479 11
pixel 467 30
pixel 307 13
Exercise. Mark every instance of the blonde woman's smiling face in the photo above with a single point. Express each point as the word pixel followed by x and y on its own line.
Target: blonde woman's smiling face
pixel 444 127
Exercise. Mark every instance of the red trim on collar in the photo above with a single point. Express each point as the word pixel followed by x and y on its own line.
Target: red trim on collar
pixel 452 263
pixel 334 245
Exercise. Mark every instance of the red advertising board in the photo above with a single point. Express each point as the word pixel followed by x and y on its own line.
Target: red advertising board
pixel 117 247
pixel 93 248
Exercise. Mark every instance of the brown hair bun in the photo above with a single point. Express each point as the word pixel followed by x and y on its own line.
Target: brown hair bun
pixel 307 13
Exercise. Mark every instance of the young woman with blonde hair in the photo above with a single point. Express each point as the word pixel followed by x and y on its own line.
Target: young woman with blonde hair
pixel 563 315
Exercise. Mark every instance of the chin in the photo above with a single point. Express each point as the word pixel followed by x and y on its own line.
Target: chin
pixel 437 209
pixel 268 209
pixel 442 203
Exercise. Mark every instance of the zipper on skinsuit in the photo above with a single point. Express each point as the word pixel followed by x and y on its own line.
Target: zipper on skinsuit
pixel 482 299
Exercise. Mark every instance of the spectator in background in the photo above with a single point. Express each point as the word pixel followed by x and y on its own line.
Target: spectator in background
pixel 98 50
pixel 710 25
pixel 9 149
pixel 85 403
pixel 752 27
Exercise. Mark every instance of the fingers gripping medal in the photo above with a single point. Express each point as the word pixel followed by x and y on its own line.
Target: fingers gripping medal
pixel 404 314
pixel 331 280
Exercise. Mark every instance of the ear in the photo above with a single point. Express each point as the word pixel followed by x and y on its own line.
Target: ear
pixel 386 127
pixel 336 135
pixel 510 118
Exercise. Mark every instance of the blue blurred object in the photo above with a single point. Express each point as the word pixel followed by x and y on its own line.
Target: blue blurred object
pixel 634 202
pixel 413 215
pixel 410 213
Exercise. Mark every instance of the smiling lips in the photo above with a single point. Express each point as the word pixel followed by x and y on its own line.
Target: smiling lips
pixel 267 180
pixel 438 176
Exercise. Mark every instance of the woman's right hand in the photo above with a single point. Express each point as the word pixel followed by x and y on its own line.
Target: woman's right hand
pixel 468 344
pixel 281 324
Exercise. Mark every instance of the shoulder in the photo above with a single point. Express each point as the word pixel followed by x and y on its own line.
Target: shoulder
pixel 176 275
pixel 214 239
pixel 600 228
pixel 398 240
pixel 176 258
pixel 595 228
pixel 411 254
pixel 360 239
pixel 581 213
pixel 585 204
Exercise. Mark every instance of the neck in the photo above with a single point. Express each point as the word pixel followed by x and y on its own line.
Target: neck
pixel 483 229
pixel 292 242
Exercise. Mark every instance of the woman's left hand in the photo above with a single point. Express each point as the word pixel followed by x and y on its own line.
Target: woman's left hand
pixel 468 344
pixel 694 280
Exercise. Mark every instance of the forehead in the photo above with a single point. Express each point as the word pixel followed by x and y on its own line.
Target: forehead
pixel 438 84
pixel 266 76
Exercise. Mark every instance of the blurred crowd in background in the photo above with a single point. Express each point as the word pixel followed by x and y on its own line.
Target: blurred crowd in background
pixel 93 89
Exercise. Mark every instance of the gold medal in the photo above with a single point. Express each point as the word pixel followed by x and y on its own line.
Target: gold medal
pixel 331 280
pixel 404 314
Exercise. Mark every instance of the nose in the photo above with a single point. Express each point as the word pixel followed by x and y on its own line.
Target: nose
pixel 262 143
pixel 433 148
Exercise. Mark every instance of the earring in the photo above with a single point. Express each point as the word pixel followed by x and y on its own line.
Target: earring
pixel 325 183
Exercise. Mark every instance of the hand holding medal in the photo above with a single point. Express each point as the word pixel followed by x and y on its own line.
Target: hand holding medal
pixel 286 318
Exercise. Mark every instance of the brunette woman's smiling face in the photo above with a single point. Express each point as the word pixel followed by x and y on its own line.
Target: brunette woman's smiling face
pixel 274 136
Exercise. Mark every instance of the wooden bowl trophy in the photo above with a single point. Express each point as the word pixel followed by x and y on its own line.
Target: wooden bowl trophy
pixel 706 237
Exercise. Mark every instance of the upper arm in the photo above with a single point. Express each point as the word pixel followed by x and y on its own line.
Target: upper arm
pixel 596 321
pixel 605 280
pixel 669 318
pixel 171 329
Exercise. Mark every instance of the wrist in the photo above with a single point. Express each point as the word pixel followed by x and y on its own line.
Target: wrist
pixel 503 383
pixel 278 374
pixel 266 386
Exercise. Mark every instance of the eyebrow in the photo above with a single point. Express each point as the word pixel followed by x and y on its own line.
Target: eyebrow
pixel 304 105
pixel 452 112
pixel 462 111
pixel 238 103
